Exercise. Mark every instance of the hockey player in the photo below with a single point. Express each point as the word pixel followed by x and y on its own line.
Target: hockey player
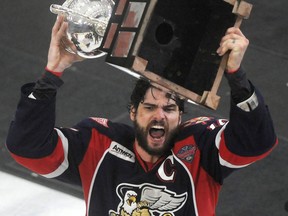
pixel 162 166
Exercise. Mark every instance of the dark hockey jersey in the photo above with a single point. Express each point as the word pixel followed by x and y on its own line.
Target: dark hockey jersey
pixel 99 155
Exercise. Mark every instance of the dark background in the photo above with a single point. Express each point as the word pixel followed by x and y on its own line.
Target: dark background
pixel 261 189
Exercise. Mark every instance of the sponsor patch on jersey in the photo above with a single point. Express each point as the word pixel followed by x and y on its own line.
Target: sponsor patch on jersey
pixel 101 121
pixel 122 152
pixel 187 153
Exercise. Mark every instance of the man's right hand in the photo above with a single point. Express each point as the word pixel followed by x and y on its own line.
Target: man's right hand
pixel 58 57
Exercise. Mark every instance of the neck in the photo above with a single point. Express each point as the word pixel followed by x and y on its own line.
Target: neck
pixel 144 155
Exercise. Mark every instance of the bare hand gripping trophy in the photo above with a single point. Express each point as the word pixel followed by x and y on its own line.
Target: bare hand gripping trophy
pixel 87 22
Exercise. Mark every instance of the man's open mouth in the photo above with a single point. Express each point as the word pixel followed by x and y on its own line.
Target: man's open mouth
pixel 157 131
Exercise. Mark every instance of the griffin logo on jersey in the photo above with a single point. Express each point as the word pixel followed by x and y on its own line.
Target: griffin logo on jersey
pixel 147 200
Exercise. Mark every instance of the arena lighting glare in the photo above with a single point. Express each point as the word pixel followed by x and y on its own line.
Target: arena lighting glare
pixel 87 23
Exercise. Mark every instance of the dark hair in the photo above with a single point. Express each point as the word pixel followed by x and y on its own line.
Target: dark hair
pixel 139 91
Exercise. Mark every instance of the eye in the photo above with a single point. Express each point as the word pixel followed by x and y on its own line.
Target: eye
pixel 149 107
pixel 169 109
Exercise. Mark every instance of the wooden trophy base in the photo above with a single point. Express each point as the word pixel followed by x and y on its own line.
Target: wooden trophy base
pixel 173 43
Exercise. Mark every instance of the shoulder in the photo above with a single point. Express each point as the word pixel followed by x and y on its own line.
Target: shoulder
pixel 116 131
pixel 204 122
pixel 198 126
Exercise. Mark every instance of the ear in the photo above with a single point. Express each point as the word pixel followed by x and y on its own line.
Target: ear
pixel 132 113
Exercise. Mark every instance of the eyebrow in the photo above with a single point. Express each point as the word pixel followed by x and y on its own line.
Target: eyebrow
pixel 154 105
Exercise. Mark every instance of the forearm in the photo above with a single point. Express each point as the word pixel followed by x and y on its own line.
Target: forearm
pixel 46 86
pixel 250 130
pixel 242 91
pixel 33 124
pixel 250 133
pixel 239 85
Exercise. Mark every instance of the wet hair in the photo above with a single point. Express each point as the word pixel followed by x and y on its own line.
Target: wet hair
pixel 139 91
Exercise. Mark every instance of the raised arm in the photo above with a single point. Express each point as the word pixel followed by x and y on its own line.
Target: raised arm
pixel 32 139
pixel 249 135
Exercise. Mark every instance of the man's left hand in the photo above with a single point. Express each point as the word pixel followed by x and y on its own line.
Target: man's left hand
pixel 235 42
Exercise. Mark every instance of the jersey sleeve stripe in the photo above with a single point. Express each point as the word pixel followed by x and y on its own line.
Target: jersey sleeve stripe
pixel 52 165
pixel 222 161
pixel 65 163
pixel 229 165
pixel 230 159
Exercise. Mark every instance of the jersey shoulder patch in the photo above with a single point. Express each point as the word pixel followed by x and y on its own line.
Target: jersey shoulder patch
pixel 101 121
pixel 199 120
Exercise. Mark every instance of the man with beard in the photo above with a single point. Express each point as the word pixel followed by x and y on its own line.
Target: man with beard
pixel 161 166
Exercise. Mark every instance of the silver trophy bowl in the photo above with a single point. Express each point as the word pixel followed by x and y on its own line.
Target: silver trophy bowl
pixel 87 23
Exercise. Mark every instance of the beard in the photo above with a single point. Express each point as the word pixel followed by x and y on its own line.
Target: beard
pixel 141 136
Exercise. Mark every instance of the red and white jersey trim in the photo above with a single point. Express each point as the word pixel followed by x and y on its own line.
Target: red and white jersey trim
pixel 65 164
pixel 192 183
pixel 223 162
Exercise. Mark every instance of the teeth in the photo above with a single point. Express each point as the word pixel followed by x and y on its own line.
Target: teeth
pixel 157 127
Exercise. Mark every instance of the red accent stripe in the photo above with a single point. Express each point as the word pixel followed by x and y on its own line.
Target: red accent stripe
pixel 207 193
pixel 58 74
pixel 45 165
pixel 237 160
pixel 97 146
pixel 206 189
pixel 232 71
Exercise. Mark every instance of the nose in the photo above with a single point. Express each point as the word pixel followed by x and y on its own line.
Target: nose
pixel 159 114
